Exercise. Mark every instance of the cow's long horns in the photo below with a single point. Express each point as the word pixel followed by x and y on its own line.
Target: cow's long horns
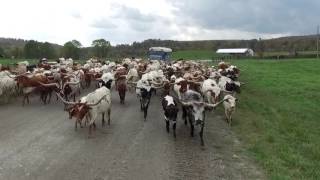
pixel 214 105
pixel 48 85
pixel 94 104
pixel 194 82
pixel 64 101
pixel 9 76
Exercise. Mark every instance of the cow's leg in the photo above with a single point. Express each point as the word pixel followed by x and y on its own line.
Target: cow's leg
pixel 50 95
pixel 167 125
pixel 174 129
pixel 28 99
pixel 124 97
pixel 145 112
pixel 75 125
pixel 192 126
pixel 141 105
pixel 24 99
pixel 90 126
pixel 146 106
pixel 230 119
pixel 201 134
pixel 45 94
pixel 103 122
pixel 74 97
pixel 184 115
pixel 109 112
pixel 94 126
pixel 227 116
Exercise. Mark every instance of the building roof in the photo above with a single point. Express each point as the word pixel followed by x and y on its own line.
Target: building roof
pixel 164 49
pixel 233 51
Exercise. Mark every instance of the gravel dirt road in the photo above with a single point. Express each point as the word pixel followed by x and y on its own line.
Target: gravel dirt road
pixel 39 142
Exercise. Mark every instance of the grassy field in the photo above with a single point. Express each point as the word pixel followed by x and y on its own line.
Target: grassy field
pixel 278 116
pixel 196 54
pixel 12 61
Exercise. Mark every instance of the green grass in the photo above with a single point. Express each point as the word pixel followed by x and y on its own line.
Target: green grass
pixel 12 61
pixel 278 116
pixel 193 54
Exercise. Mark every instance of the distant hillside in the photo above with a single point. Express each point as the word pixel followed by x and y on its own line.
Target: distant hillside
pixel 285 45
pixel 12 43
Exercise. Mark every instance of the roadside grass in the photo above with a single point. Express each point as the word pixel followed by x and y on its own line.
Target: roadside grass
pixel 12 61
pixel 277 116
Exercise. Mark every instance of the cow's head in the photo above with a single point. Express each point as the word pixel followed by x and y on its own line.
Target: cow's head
pixel 106 84
pixel 184 86
pixel 233 86
pixel 78 110
pixel 231 101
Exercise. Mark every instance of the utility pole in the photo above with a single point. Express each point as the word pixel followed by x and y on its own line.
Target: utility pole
pixel 318 42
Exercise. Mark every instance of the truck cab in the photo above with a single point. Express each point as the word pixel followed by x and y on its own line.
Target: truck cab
pixel 159 53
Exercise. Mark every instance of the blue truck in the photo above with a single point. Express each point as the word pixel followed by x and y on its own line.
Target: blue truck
pixel 159 53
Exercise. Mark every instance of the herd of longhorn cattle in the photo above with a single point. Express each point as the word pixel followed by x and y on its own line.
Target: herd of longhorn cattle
pixel 186 86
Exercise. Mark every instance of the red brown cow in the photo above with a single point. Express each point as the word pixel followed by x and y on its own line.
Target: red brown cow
pixel 31 83
pixel 121 84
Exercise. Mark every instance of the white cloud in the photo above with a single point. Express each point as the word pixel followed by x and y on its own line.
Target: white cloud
pixel 120 21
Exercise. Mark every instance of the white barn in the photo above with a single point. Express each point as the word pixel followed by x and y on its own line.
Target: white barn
pixel 236 51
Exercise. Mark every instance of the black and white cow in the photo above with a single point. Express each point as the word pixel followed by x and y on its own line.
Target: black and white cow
pixel 106 80
pixel 144 92
pixel 195 109
pixel 170 108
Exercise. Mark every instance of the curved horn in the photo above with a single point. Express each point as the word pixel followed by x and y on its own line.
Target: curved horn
pixel 186 103
pixel 155 83
pixel 122 76
pixel 9 76
pixel 214 105
pixel 94 104
pixel 157 87
pixel 194 82
pixel 72 83
pixel 131 82
pixel 49 85
pixel 64 101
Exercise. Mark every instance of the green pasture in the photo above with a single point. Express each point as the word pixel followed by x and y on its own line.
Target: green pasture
pixel 277 116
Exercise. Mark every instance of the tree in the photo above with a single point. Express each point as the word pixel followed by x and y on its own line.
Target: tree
pixel 46 50
pixel 32 49
pixel 76 43
pixel 101 47
pixel 71 49
pixel 2 54
pixel 260 48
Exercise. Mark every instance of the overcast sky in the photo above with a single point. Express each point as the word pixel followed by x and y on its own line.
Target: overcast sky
pixel 125 21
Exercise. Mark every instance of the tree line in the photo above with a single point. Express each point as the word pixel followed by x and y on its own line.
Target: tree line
pixel 102 48
pixel 72 49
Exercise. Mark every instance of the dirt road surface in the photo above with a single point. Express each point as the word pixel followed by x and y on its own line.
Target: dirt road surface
pixel 39 142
